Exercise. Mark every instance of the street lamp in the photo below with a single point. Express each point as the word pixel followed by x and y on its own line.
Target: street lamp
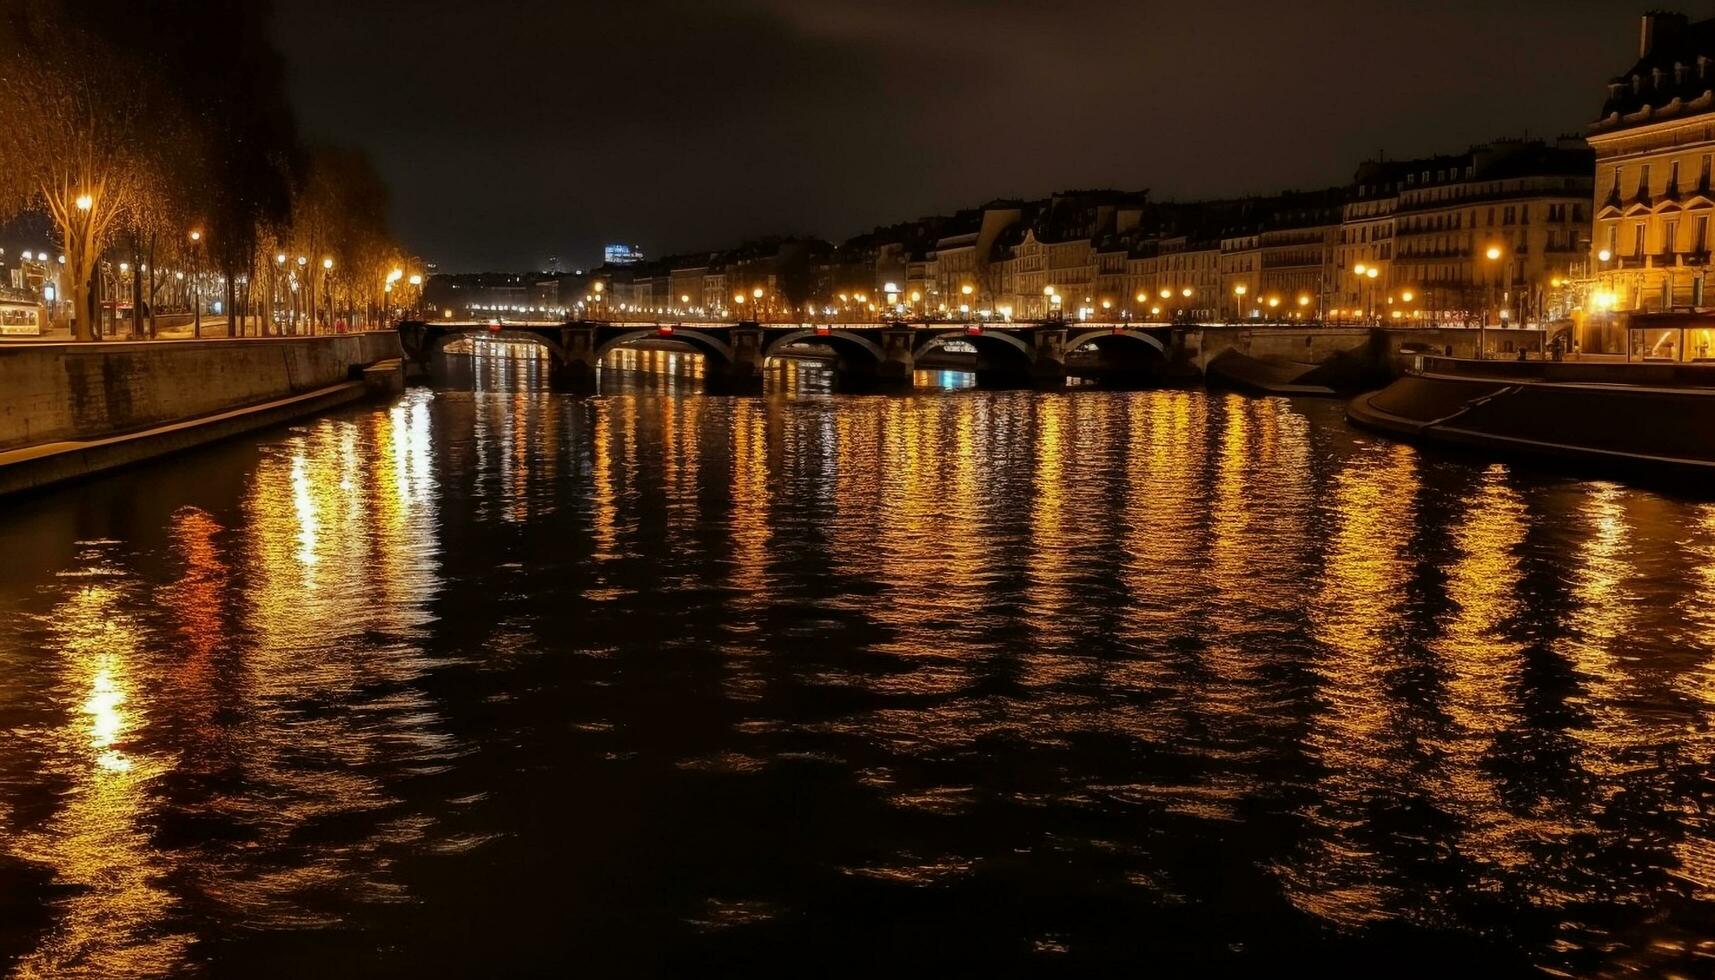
pixel 1366 273
pixel 1239 304
pixel 1358 270
pixel 327 286
pixel 1494 256
pixel 196 283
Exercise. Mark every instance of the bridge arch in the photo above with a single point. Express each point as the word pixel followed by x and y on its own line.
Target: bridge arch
pixel 711 347
pixel 439 338
pixel 845 343
pixel 1104 338
pixel 996 350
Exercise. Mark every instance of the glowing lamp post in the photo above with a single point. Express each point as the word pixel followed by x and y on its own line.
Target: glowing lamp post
pixel 1494 256
pixel 196 283
pixel 327 286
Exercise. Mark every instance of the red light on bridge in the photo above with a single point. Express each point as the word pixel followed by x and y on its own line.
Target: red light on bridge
pixel 494 326
pixel 1120 328
pixel 824 330
pixel 974 330
pixel 665 330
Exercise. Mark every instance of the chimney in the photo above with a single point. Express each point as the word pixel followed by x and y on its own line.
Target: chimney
pixel 1660 28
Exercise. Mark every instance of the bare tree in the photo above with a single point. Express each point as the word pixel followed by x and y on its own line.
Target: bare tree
pixel 81 140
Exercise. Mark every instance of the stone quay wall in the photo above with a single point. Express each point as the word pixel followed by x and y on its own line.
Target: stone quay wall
pixel 51 392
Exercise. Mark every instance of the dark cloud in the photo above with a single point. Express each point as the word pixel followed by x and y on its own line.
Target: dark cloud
pixel 517 129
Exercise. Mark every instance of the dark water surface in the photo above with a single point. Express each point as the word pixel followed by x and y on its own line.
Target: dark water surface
pixel 501 681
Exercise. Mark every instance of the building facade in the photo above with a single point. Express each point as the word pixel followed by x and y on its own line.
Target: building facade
pixel 1652 196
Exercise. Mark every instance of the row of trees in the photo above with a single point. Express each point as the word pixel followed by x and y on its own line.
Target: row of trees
pixel 160 135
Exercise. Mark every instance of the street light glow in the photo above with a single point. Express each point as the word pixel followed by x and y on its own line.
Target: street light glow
pixel 85 202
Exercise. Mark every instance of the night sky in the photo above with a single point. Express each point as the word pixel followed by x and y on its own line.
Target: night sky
pixel 515 130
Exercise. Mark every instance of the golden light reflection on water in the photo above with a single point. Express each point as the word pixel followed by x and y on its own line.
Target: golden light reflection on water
pixel 1482 661
pixel 1357 619
pixel 1053 521
pixel 112 921
pixel 1151 627
pixel 1602 619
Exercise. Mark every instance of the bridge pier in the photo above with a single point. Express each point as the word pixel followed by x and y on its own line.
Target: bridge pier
pixel 898 364
pixel 743 374
pixel 1048 363
pixel 574 366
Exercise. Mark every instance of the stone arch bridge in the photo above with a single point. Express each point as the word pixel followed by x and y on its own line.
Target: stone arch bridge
pixel 866 354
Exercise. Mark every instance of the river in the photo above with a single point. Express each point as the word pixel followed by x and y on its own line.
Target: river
pixel 497 680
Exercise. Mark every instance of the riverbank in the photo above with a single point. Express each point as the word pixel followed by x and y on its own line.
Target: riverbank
pixel 1648 419
pixel 71 410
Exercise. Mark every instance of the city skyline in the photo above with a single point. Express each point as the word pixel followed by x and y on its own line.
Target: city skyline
pixel 872 136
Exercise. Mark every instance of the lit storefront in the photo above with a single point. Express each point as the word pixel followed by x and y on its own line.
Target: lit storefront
pixel 1679 337
pixel 20 317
